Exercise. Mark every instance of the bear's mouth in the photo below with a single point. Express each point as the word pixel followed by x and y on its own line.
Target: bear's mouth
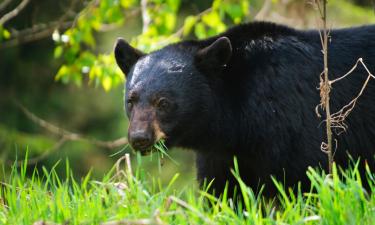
pixel 148 149
pixel 146 152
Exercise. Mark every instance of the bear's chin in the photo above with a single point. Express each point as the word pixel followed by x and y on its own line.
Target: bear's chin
pixel 146 152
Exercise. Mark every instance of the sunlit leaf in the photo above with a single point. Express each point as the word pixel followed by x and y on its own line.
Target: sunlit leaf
pixel 58 51
pixel 107 83
pixel 200 30
pixel 189 24
pixel 6 34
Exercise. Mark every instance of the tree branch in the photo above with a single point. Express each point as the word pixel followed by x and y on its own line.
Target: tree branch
pixel 10 15
pixel 34 33
pixel 146 18
pixel 40 31
pixel 70 136
pixel 264 11
pixel 65 136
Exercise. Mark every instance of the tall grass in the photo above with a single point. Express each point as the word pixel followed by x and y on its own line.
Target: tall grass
pixel 123 196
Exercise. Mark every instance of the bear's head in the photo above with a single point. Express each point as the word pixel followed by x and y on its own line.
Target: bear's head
pixel 168 92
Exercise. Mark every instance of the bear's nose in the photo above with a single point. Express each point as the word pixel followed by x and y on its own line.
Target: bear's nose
pixel 140 139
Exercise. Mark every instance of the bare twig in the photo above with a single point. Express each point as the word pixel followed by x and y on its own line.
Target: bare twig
pixel 146 18
pixel 264 11
pixel 325 85
pixel 41 31
pixel 128 166
pixel 34 34
pixel 70 136
pixel 65 136
pixel 339 117
pixel 360 60
pixel 10 15
pixel 85 11
pixel 336 120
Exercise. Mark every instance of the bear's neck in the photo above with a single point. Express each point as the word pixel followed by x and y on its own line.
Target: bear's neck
pixel 216 130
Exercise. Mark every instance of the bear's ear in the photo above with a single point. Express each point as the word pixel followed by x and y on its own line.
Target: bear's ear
pixel 214 56
pixel 126 56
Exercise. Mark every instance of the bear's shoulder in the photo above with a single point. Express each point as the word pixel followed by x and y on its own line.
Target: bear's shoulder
pixel 242 33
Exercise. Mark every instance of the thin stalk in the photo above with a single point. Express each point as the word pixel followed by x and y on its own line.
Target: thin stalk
pixel 327 88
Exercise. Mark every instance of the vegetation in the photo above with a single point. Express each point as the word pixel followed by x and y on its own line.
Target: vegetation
pixel 122 197
pixel 45 47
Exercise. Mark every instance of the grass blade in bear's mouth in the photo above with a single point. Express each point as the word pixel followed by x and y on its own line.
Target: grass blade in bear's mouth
pixel 160 147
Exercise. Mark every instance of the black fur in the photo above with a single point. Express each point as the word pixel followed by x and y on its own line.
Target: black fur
pixel 260 105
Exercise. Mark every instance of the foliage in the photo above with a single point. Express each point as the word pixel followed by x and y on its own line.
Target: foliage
pixel 77 45
pixel 122 196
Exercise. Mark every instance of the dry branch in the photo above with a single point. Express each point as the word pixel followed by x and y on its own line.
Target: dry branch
pixel 34 34
pixel 65 136
pixel 10 15
pixel 264 11
pixel 335 120
pixel 325 86
pixel 338 118
pixel 41 31
pixel 146 18
pixel 70 136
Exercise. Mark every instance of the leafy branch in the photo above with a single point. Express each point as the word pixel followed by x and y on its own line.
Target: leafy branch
pixel 38 31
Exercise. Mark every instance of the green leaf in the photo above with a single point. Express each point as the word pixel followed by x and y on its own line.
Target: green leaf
pixel 127 3
pixel 245 6
pixel 58 51
pixel 63 72
pixel 235 12
pixel 77 78
pixel 212 19
pixel 170 21
pixel 174 4
pixel 6 34
pixel 189 24
pixel 200 31
pixel 107 83
pixel 216 5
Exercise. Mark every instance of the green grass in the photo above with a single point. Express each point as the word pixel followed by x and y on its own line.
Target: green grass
pixel 124 196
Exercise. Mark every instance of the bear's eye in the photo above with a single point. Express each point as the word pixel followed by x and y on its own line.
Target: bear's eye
pixel 163 104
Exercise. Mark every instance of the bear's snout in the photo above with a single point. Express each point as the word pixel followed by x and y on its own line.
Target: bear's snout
pixel 141 138
pixel 144 129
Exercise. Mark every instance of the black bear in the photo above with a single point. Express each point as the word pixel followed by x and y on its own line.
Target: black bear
pixel 251 92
